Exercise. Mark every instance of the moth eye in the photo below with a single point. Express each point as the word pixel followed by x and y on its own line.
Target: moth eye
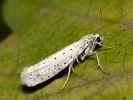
pixel 98 39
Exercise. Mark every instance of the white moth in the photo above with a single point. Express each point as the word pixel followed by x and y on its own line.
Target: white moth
pixel 52 65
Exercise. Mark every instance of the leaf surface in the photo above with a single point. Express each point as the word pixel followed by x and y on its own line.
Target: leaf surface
pixel 42 27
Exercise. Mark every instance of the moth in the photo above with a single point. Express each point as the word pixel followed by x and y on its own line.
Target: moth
pixel 52 65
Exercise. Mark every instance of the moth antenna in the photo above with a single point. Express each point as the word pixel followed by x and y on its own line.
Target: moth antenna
pixel 101 23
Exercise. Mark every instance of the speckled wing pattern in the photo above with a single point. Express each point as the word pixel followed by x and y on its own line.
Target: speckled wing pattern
pixel 55 63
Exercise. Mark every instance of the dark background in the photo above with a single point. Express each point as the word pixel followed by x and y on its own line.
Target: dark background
pixel 4 29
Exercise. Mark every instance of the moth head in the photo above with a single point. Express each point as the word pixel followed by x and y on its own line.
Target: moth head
pixel 98 38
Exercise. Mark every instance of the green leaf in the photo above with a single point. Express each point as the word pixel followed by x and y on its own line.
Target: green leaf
pixel 42 27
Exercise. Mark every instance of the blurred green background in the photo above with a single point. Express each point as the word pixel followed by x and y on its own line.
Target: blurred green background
pixel 31 30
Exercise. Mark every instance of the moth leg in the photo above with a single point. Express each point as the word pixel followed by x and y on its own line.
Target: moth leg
pixel 77 60
pixel 99 66
pixel 83 55
pixel 103 45
pixel 70 67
